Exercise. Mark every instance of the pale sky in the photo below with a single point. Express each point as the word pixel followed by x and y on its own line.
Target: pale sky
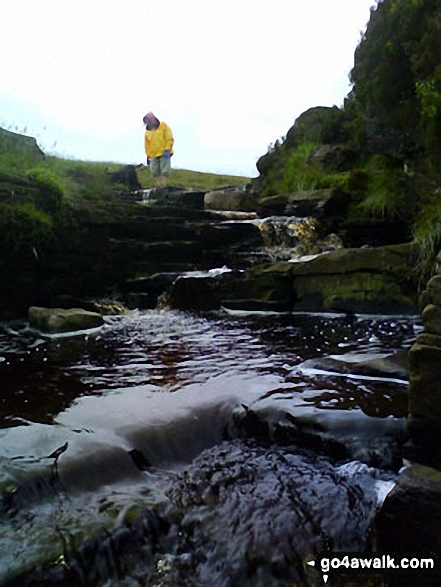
pixel 228 76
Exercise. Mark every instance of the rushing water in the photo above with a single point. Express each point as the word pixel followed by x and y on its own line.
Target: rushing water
pixel 201 449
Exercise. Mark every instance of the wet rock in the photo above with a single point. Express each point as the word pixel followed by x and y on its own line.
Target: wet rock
pixel 143 292
pixel 194 293
pixel 225 235
pixel 394 365
pixel 257 290
pixel 58 320
pixel 409 523
pixel 288 231
pixel 364 280
pixel 332 431
pixel 348 280
pixel 238 514
pixel 432 293
pixel 432 319
pixel 253 516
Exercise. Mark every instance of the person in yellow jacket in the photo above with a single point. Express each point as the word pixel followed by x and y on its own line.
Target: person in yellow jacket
pixel 158 147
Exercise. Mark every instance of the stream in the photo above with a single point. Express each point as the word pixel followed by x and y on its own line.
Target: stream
pixel 169 448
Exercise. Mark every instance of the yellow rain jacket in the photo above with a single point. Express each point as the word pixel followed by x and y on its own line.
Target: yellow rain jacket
pixel 159 140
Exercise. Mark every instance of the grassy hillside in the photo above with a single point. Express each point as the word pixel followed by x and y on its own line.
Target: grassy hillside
pixel 38 192
pixel 91 180
pixel 88 180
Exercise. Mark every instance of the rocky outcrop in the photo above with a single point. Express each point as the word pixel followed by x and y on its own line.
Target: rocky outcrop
pixel 126 176
pixel 106 249
pixel 58 320
pixel 370 280
pixel 137 250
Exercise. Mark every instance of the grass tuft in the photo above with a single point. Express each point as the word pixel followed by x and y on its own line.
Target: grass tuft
pixel 427 235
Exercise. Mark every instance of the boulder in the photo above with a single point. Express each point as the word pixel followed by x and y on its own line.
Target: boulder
pixel 384 365
pixel 126 176
pixel 409 523
pixel 341 434
pixel 230 199
pixel 432 293
pixel 432 319
pixel 174 196
pixel 58 320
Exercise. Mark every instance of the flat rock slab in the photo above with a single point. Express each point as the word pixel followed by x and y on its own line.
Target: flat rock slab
pixel 58 320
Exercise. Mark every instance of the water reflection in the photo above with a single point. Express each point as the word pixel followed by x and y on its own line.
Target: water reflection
pixel 42 376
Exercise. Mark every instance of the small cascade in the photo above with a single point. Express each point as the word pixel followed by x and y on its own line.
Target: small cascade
pixel 291 237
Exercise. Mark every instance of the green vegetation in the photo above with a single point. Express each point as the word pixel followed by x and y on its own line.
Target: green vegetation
pixel 17 156
pixel 24 228
pixel 84 181
pixel 427 234
pixel 295 171
pixel 397 89
pixel 397 76
pixel 385 191
pixel 81 181
pixel 383 147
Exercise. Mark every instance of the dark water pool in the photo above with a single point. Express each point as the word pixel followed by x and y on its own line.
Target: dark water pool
pixel 201 449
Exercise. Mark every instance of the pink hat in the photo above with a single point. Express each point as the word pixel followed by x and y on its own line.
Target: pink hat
pixel 150 117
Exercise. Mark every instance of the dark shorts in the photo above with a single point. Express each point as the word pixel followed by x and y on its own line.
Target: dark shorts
pixel 160 166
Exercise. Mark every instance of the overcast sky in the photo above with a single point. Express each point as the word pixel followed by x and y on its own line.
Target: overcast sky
pixel 228 76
